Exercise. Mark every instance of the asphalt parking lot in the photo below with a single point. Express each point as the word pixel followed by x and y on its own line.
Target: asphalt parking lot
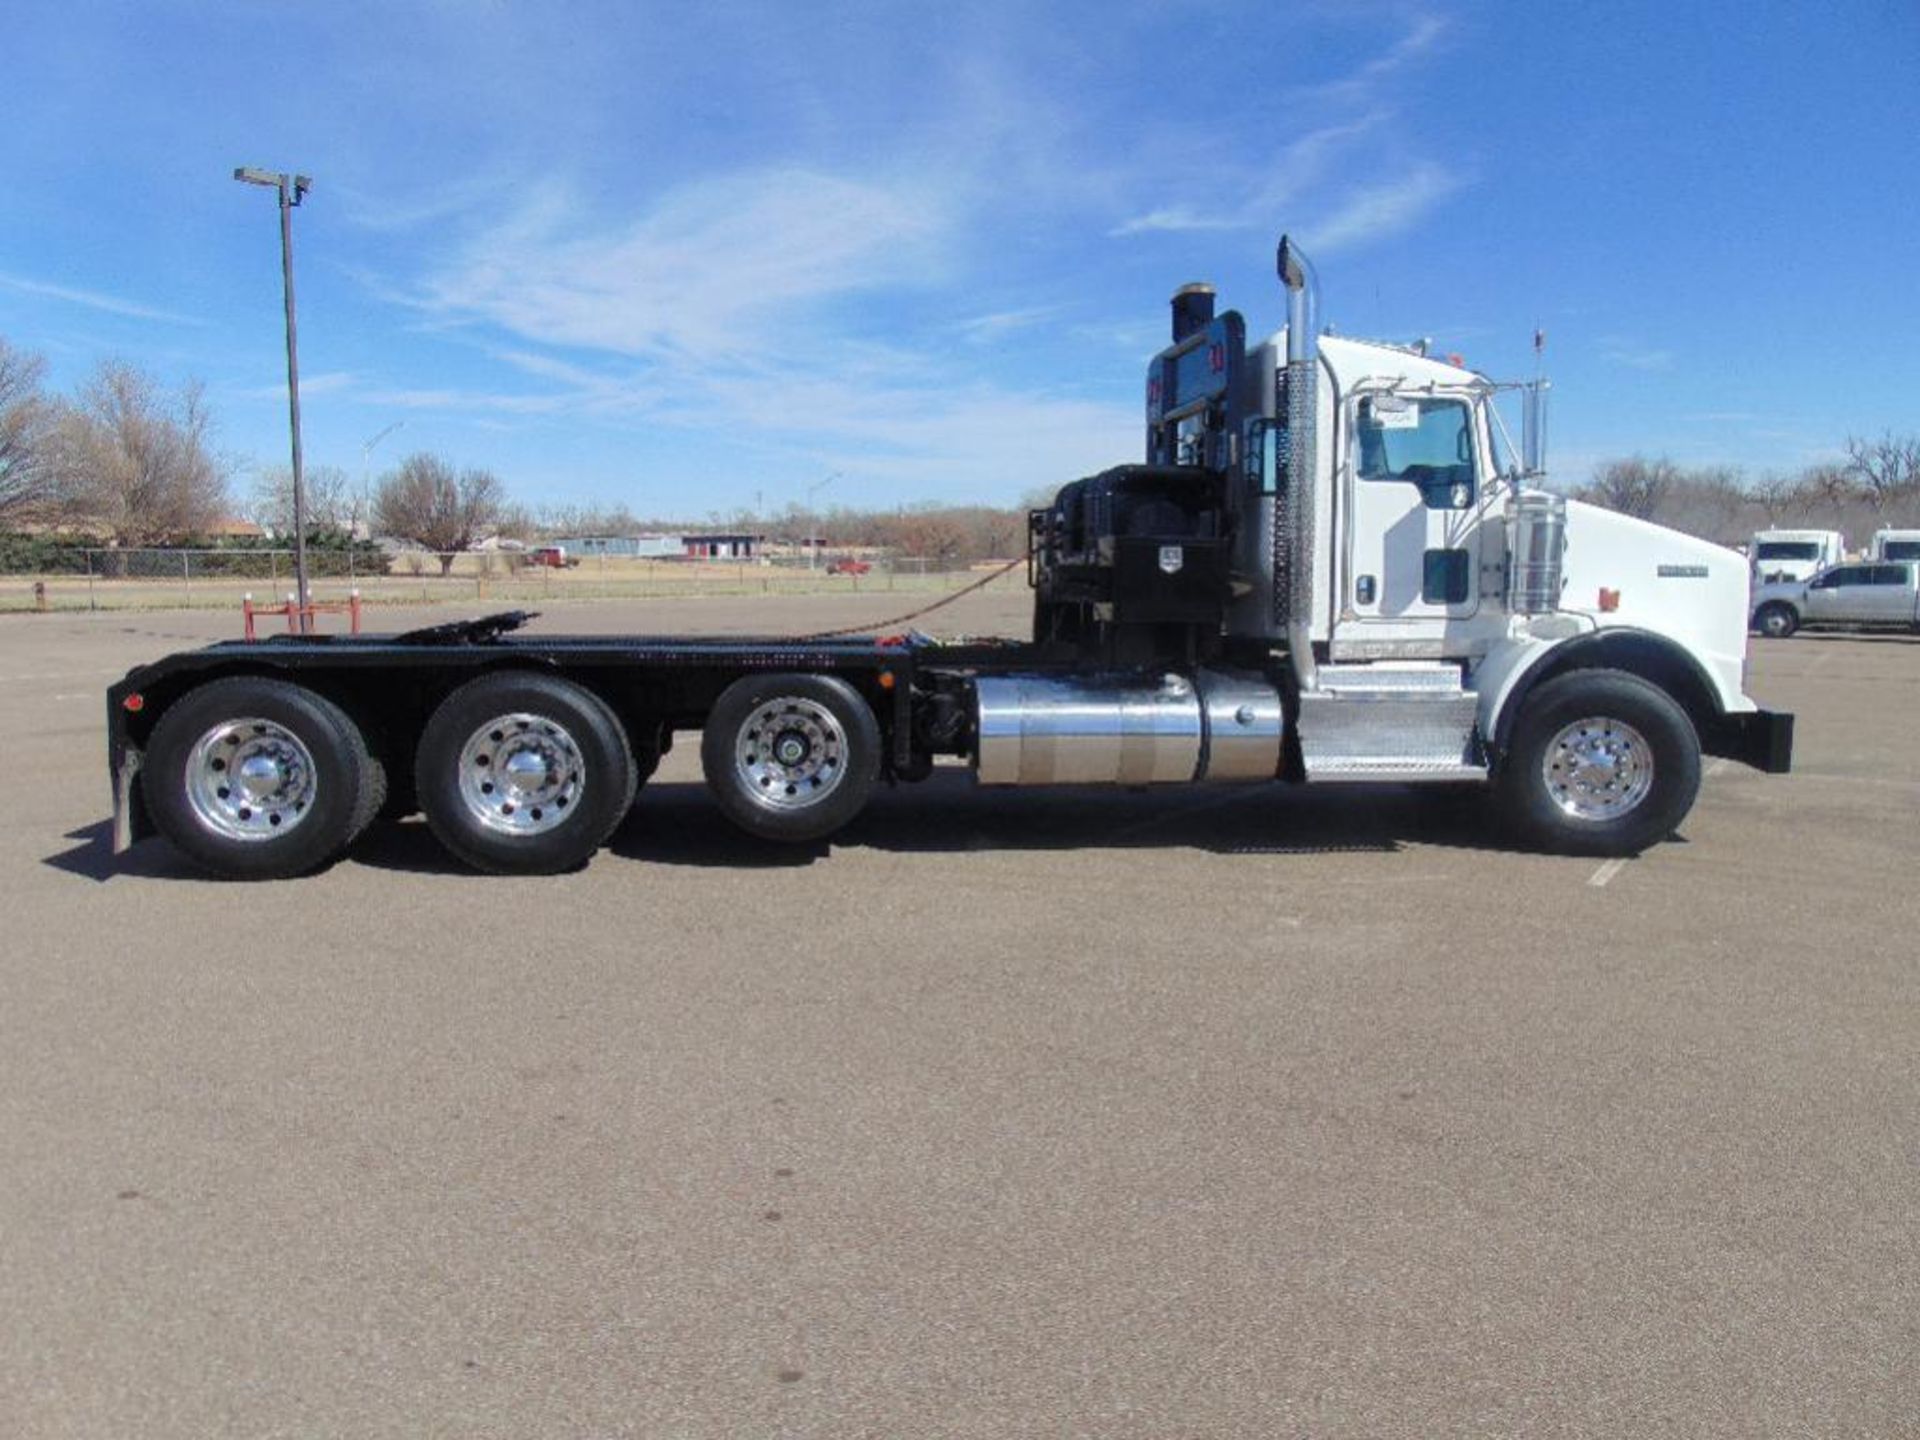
pixel 1244 1113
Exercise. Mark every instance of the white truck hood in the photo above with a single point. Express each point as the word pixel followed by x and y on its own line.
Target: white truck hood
pixel 1623 572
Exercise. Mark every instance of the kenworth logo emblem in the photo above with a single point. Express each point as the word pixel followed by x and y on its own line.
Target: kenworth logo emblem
pixel 1172 557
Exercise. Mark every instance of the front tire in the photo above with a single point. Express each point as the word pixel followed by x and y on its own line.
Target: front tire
pixel 1776 621
pixel 523 774
pixel 254 778
pixel 791 757
pixel 1602 763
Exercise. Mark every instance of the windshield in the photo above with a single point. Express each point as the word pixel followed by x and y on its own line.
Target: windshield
pixel 1902 550
pixel 1786 550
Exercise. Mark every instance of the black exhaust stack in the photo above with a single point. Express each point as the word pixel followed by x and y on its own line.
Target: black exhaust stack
pixel 1192 310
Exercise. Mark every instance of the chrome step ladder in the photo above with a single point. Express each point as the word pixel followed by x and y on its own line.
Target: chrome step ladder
pixel 1401 721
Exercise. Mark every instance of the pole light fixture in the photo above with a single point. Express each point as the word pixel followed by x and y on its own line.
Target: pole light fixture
pixel 292 189
pixel 366 472
pixel 813 520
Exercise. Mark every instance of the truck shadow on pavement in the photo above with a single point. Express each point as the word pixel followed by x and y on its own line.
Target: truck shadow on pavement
pixel 677 823
pixel 92 857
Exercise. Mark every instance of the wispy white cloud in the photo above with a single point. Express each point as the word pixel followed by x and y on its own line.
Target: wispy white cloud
pixel 1177 218
pixel 1629 352
pixel 326 382
pixel 1419 37
pixel 990 329
pixel 96 300
pixel 703 271
pixel 1250 198
pixel 1380 210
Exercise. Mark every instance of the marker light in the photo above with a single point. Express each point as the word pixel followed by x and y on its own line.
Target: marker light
pixel 134 703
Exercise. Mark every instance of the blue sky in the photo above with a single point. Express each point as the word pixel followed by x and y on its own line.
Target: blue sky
pixel 694 258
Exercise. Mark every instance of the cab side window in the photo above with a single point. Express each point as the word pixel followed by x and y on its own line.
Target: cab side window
pixel 1424 443
pixel 1842 575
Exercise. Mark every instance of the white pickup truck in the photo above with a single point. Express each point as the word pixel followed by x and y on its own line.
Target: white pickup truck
pixel 1868 595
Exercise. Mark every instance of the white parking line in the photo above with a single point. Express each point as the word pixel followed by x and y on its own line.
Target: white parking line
pixel 1606 872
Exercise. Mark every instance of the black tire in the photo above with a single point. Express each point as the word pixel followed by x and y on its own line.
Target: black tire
pixel 810 777
pixel 584 789
pixel 231 833
pixel 1776 620
pixel 1642 742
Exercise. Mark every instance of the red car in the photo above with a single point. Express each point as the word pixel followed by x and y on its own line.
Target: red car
pixel 846 565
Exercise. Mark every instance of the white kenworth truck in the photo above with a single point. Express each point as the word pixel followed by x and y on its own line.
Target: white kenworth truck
pixel 1327 570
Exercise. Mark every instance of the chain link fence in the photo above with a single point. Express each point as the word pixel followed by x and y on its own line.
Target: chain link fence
pixel 125 579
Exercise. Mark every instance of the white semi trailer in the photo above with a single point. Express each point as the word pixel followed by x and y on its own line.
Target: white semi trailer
pixel 1895 545
pixel 1776 555
pixel 1326 570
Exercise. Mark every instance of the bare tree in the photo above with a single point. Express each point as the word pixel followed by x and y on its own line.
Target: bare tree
pixel 134 462
pixel 590 520
pixel 1636 486
pixel 1773 493
pixel 1886 471
pixel 427 502
pixel 1706 502
pixel 332 502
pixel 26 424
pixel 515 522
pixel 1827 487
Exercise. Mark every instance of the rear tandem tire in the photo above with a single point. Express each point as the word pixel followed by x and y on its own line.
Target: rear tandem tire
pixel 254 778
pixel 523 774
pixel 791 757
pixel 1602 763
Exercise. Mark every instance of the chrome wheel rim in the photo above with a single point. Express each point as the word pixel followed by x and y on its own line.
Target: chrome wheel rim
pixel 521 774
pixel 790 753
pixel 1773 624
pixel 250 779
pixel 1598 768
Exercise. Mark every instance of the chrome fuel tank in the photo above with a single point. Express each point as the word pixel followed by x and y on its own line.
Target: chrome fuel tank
pixel 1044 730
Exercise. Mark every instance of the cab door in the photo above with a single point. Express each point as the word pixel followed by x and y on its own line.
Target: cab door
pixel 1888 596
pixel 1413 489
pixel 1842 595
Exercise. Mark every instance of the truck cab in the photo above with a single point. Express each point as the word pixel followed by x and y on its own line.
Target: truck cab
pixel 1777 555
pixel 1895 545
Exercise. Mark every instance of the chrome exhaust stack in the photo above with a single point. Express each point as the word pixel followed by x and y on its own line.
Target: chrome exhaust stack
pixel 1293 535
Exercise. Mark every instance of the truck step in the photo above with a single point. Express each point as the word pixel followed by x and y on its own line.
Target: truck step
pixel 1401 723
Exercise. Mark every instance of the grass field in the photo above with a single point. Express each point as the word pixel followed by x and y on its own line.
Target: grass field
pixel 474 577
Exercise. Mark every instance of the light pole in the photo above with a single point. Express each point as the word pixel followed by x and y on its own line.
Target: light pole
pixel 293 189
pixel 366 472
pixel 813 521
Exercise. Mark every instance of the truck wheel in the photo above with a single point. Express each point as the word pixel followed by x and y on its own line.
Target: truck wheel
pixel 523 774
pixel 257 779
pixel 1602 763
pixel 791 757
pixel 1776 621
